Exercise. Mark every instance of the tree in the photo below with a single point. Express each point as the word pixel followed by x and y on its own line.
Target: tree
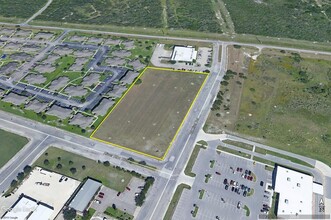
pixel 114 206
pixel 13 183
pixel 59 166
pixel 20 176
pixel 71 162
pixel 73 170
pixel 46 162
pixel 27 169
pixel 69 214
pixel 106 163
pixel 83 167
pixel 58 158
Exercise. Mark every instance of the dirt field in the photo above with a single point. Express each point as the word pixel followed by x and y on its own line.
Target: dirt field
pixel 149 115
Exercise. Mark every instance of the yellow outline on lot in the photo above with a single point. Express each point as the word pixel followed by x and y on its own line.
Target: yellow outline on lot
pixel 179 128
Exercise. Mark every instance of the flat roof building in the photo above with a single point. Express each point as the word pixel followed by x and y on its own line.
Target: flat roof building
pixel 185 54
pixel 295 192
pixel 27 208
pixel 84 196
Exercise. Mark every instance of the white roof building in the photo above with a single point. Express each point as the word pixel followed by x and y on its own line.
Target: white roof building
pixel 185 54
pixel 295 192
pixel 27 208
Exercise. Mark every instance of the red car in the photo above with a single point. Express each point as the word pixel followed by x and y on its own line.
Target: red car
pixel 128 188
pixel 101 193
pixel 100 196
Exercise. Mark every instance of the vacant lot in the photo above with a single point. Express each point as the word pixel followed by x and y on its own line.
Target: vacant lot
pixel 118 12
pixel 225 109
pixel 197 15
pixel 286 102
pixel 149 115
pixel 110 176
pixel 10 144
pixel 308 20
pixel 19 9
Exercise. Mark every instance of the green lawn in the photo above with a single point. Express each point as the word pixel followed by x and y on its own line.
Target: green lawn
pixel 174 201
pixel 235 152
pixel 10 144
pixel 108 175
pixel 190 164
pixel 239 144
pixel 20 8
pixel 294 160
pixel 118 214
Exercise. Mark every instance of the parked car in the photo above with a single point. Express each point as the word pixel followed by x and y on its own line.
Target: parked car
pixel 239 205
pixel 245 193
pixel 232 189
pixel 101 193
pixel 261 183
pixel 226 187
pixel 225 181
pixel 218 173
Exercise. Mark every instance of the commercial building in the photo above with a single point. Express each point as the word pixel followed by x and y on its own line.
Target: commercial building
pixel 84 196
pixel 295 192
pixel 184 54
pixel 29 209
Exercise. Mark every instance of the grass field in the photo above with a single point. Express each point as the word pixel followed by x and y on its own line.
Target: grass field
pixel 195 15
pixel 148 117
pixel 108 175
pixel 117 12
pixel 235 152
pixel 308 20
pixel 286 103
pixel 10 144
pixel 19 9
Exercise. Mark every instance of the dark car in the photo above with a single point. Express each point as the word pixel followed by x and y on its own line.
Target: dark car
pixel 241 169
pixel 237 169
pixel 225 181
pixel 119 193
pixel 238 205
pixel 218 173
pixel 232 188
pixel 261 183
pixel 249 172
pixel 236 190
pixel 246 172
pixel 101 193
pixel 245 193
pixel 226 187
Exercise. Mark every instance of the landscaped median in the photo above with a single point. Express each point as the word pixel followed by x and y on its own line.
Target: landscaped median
pixel 191 162
pixel 175 200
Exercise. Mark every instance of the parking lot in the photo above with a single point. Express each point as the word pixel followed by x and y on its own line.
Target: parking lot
pixel 212 201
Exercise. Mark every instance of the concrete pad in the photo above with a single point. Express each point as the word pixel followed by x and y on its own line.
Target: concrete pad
pixel 121 53
pixel 45 68
pixel 103 106
pixel 59 112
pixel 8 68
pixel 31 48
pixel 117 91
pixel 20 56
pixel 76 90
pixel 43 36
pixel 50 59
pixel 128 44
pixel 35 78
pixel 111 41
pixel 91 79
pixel 23 33
pixel 36 106
pixel 13 46
pixel 6 31
pixel 129 77
pixel 61 50
pixel 83 53
pixel 81 120
pixel 77 38
pixel 59 83
pixel 15 99
pixel 79 64
pixel 137 65
pixel 115 61
pixel 95 40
